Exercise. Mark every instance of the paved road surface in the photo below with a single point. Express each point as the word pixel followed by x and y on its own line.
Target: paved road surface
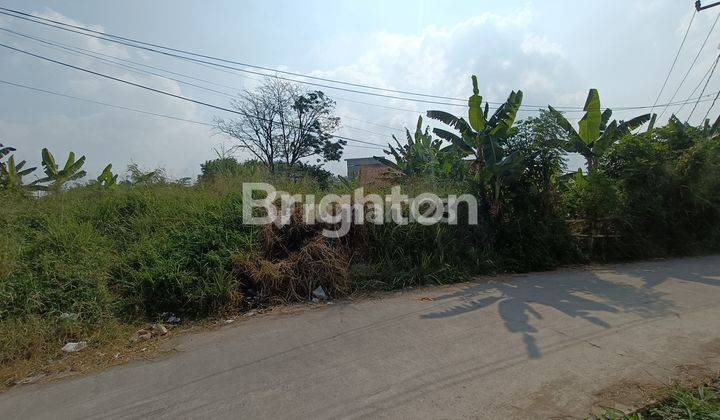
pixel 556 344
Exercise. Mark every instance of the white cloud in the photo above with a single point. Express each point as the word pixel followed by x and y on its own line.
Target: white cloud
pixel 499 49
pixel 536 44
pixel 103 134
pixel 571 98
pixel 90 43
pixel 535 80
pixel 550 51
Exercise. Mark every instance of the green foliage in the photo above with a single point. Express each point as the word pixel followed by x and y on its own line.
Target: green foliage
pixel 139 177
pixel 700 404
pixel 11 175
pixel 229 167
pixel 668 198
pixel 277 121
pixel 422 156
pixel 413 254
pixel 596 133
pixel 532 233
pixel 4 151
pixel 486 140
pixel 711 132
pixel 176 247
pixel 314 113
pixel 63 268
pixel 76 261
pixel 301 170
pixel 593 196
pixel 539 142
pixel 222 166
pixel 57 177
pixel 107 179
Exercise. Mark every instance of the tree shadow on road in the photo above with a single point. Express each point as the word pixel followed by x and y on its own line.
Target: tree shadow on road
pixel 703 270
pixel 577 294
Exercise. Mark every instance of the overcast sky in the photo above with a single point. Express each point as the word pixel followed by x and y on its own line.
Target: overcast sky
pixel 553 50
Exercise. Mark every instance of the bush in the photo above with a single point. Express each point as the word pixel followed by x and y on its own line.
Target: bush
pixel 79 261
pixel 668 198
pixel 63 267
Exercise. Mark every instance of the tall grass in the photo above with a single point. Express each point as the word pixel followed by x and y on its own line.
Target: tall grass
pixel 86 259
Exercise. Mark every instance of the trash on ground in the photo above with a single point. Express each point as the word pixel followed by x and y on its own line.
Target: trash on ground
pixel 141 335
pixel 31 379
pixel 426 299
pixel 74 347
pixel 319 293
pixel 69 316
pixel 159 329
pixel 171 319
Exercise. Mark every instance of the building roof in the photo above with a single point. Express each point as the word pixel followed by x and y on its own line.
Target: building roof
pixel 363 161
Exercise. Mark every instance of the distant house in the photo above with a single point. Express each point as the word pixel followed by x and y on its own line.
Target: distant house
pixel 368 170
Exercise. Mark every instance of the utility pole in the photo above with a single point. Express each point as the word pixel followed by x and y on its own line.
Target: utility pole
pixel 699 7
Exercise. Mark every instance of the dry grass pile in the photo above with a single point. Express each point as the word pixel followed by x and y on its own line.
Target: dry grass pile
pixel 295 260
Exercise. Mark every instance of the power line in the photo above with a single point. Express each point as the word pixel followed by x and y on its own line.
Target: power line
pixel 359 129
pixel 92 101
pixel 74 51
pixel 192 100
pixel 692 65
pixel 153 48
pixel 196 60
pixel 687 31
pixel 699 6
pixel 704 87
pixel 700 83
pixel 87 53
pixel 109 56
pixel 120 40
pixel 139 111
pixel 711 106
pixel 226 60
pixel 151 89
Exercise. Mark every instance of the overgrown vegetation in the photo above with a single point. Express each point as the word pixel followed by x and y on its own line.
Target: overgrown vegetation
pixel 78 259
pixel 702 403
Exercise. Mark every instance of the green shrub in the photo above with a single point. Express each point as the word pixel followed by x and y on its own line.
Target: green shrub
pixel 593 196
pixel 180 257
pixel 75 261
pixel 668 198
pixel 65 267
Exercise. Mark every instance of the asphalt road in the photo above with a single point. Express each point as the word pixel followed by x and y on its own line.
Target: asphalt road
pixel 557 344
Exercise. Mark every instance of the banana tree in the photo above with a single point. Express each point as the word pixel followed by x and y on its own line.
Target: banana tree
pixel 596 134
pixel 418 156
pixel 651 124
pixel 4 151
pixel 107 179
pixel 59 177
pixel 11 174
pixel 711 132
pixel 484 137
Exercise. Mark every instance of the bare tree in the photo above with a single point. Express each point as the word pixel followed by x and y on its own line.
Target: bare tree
pixel 277 121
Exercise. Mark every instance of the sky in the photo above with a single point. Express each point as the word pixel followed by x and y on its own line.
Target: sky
pixel 554 51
